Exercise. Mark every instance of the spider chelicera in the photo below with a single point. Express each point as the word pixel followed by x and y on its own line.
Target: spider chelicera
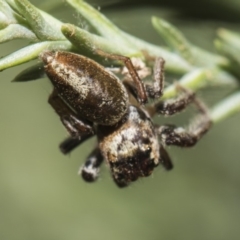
pixel 91 100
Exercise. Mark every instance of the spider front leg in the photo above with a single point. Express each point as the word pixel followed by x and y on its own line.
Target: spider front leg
pixel 173 135
pixel 78 129
pixel 89 171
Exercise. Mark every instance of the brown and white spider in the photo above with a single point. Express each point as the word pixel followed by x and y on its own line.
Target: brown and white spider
pixel 91 100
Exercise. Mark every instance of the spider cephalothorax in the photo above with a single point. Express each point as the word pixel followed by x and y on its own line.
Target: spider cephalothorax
pixel 131 147
pixel 90 100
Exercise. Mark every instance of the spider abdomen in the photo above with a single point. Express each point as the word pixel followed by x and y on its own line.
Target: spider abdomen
pixel 92 91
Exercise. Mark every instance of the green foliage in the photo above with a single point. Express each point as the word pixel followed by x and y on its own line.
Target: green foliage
pixel 198 67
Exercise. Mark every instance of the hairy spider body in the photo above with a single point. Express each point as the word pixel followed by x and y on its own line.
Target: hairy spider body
pixel 90 100
pixel 131 147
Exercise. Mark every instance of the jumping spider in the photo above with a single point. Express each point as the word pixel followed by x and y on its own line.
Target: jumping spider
pixel 91 100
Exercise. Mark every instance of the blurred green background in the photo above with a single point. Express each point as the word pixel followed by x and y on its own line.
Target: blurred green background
pixel 42 197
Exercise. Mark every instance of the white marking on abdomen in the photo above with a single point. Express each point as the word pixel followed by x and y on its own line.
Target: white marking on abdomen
pixel 78 83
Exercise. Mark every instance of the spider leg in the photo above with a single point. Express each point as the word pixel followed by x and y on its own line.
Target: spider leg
pixel 173 135
pixel 89 171
pixel 70 143
pixel 165 160
pixel 156 89
pixel 140 88
pixel 79 129
pixel 173 106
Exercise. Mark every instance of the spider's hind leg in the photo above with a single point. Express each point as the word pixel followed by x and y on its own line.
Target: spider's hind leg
pixel 138 84
pixel 79 129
